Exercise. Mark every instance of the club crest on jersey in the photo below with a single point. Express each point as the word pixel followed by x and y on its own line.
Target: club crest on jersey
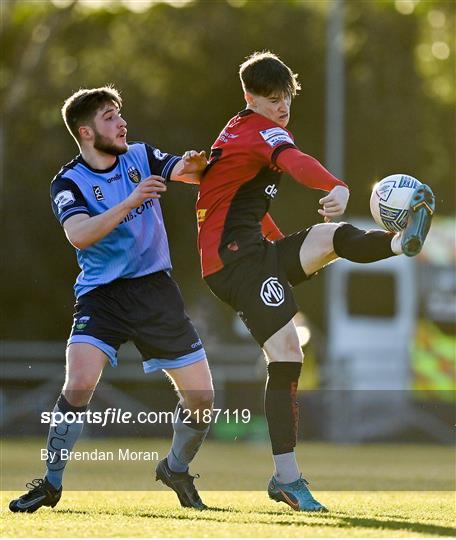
pixel 276 136
pixel 64 198
pixel 272 292
pixel 98 193
pixel 134 175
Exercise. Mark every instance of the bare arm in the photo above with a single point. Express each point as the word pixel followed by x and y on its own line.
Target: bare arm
pixel 82 231
pixel 190 167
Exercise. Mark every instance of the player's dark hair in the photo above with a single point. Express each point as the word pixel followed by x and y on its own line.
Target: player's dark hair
pixel 82 106
pixel 263 74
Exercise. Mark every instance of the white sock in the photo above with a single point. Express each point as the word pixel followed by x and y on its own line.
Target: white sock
pixel 396 247
pixel 286 468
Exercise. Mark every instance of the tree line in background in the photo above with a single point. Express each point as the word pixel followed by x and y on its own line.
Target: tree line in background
pixel 177 70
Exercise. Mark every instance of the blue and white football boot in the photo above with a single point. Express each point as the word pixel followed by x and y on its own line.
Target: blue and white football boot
pixel 296 494
pixel 422 208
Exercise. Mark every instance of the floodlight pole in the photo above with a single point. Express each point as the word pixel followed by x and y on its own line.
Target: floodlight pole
pixel 334 156
pixel 335 89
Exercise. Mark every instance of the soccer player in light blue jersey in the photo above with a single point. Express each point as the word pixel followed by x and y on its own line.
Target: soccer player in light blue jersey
pixel 107 200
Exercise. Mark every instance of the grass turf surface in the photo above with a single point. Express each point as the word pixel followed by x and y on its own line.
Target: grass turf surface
pixel 236 514
pixel 248 513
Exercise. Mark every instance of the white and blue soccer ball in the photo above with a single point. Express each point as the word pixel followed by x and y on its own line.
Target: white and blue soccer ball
pixel 390 201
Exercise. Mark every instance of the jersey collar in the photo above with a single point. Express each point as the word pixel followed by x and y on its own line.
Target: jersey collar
pixel 99 171
pixel 246 112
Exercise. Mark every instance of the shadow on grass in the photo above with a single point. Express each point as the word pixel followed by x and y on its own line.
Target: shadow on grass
pixel 332 519
pixel 416 527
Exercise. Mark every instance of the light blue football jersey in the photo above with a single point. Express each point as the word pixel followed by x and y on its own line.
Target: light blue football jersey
pixel 138 245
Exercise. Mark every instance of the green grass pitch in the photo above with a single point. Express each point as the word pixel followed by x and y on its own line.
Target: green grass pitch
pixel 248 513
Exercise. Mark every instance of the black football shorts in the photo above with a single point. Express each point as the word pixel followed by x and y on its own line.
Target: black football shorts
pixel 259 285
pixel 149 311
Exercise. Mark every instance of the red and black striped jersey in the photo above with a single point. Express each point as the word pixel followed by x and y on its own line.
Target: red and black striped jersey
pixel 242 177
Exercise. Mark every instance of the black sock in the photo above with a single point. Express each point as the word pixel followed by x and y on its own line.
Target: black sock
pixel 280 405
pixel 362 246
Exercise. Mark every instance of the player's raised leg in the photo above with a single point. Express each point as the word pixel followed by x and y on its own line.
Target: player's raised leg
pixel 191 425
pixel 84 366
pixel 326 242
pixel 284 356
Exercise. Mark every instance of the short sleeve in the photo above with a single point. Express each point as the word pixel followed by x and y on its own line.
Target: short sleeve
pixel 270 142
pixel 67 199
pixel 160 163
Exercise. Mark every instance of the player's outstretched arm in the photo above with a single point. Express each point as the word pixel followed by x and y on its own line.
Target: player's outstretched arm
pixel 310 172
pixel 82 231
pixel 307 170
pixel 190 168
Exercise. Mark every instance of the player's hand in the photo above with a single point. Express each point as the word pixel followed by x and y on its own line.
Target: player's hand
pixel 335 203
pixel 149 188
pixel 193 162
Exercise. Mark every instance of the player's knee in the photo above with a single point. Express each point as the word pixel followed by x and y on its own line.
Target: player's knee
pixel 81 382
pixel 284 346
pixel 200 400
pixel 292 351
pixel 289 350
pixel 326 238
pixel 294 354
pixel 317 250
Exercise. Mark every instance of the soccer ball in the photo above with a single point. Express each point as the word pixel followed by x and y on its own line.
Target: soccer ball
pixel 390 201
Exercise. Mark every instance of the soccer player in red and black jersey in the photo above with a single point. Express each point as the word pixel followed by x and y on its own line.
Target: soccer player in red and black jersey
pixel 249 264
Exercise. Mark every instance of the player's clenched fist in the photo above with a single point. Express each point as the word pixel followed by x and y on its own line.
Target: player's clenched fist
pixel 193 162
pixel 334 203
pixel 149 188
